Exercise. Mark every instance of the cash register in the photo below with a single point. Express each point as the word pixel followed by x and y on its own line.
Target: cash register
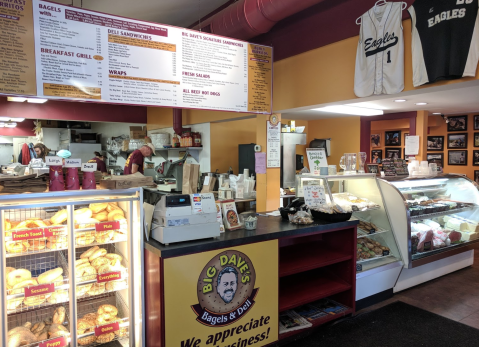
pixel 184 217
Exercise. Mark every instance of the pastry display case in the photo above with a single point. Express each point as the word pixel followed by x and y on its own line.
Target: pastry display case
pixel 71 268
pixel 359 194
pixel 432 217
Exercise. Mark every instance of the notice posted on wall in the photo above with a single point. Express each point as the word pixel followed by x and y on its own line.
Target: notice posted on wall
pixel 62 52
pixel 273 142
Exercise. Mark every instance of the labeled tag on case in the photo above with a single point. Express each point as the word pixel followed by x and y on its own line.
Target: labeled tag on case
pixel 359 267
pixel 107 226
pixel 54 231
pixel 58 342
pixel 385 253
pixel 41 289
pixel 105 329
pixel 107 277
pixel 27 234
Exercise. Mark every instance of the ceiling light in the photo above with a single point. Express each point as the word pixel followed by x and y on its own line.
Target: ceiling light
pixel 11 125
pixel 400 100
pixel 439 113
pixel 421 103
pixel 37 101
pixel 2 125
pixel 16 99
pixel 356 111
pixel 4 119
pixel 17 119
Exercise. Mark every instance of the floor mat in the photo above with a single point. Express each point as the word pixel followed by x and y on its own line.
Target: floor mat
pixel 395 325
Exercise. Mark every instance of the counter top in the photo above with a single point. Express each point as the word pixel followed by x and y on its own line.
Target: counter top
pixel 268 228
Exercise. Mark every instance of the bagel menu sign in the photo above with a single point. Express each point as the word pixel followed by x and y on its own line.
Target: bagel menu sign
pixel 58 342
pixel 33 234
pixel 61 52
pixel 223 298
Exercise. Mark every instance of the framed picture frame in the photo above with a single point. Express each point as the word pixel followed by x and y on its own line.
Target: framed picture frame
pixel 457 123
pixel 475 158
pixel 406 156
pixel 435 143
pixel 376 156
pixel 456 141
pixel 393 153
pixel 476 139
pixel 392 138
pixel 373 168
pixel 437 158
pixel 375 140
pixel 476 176
pixel 476 122
pixel 457 158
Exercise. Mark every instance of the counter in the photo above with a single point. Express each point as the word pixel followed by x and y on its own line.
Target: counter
pixel 233 288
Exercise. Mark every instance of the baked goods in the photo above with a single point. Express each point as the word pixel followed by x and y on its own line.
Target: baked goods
pixel 86 223
pixel 97 289
pixel 115 285
pixel 35 300
pixel 58 296
pixel 114 213
pixel 104 236
pixel 89 252
pixel 100 261
pixel 98 207
pixel 59 217
pixel 112 206
pixel 82 214
pixel 20 338
pixel 16 246
pixel 113 256
pixel 57 245
pixel 36 245
pixel 84 238
pixel 105 338
pixel 107 311
pixel 102 216
pixel 17 276
pixel 82 261
pixel 82 290
pixel 97 253
pixel 59 315
pixel 50 275
pixel 123 330
pixel 31 223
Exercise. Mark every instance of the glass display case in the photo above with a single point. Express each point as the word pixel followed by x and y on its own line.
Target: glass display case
pixel 432 217
pixel 360 193
pixel 71 268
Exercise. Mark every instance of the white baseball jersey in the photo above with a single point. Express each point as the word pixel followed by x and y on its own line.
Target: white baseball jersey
pixel 445 39
pixel 380 54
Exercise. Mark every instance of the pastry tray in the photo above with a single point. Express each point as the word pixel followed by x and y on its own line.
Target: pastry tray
pixel 443 213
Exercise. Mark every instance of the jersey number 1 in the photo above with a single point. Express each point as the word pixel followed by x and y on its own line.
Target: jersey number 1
pixel 389 57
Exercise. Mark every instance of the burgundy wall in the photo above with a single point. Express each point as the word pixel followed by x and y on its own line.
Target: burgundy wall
pixel 317 26
pixel 75 111
pixel 23 129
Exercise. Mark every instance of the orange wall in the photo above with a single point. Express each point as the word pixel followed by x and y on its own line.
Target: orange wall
pixel 441 130
pixel 225 138
pixel 344 134
pixel 326 74
pixel 380 127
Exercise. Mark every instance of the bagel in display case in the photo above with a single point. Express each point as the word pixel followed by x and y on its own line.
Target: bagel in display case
pixel 72 247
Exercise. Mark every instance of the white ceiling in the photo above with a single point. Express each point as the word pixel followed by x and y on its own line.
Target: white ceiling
pixel 180 13
pixel 450 99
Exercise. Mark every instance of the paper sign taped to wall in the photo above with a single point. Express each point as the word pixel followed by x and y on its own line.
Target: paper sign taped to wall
pixel 412 145
pixel 260 163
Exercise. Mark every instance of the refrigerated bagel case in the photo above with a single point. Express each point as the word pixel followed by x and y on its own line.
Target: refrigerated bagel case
pixel 71 268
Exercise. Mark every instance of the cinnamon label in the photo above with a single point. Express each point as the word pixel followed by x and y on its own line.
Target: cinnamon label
pixel 54 231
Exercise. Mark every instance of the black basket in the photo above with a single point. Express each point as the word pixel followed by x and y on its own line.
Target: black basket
pixel 335 217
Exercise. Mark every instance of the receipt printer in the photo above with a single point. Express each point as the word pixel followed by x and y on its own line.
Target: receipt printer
pixel 184 217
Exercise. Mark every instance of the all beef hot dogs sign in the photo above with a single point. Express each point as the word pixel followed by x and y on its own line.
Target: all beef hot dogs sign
pixel 235 297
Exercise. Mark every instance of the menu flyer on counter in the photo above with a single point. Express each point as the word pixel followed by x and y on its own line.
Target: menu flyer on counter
pixel 60 52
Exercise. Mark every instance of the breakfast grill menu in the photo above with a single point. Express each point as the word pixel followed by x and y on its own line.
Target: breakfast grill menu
pixel 60 52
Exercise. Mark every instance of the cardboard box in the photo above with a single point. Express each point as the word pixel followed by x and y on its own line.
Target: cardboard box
pixel 127 181
pixel 137 132
pixel 49 123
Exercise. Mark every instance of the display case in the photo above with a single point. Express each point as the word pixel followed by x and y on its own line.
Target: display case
pixel 376 242
pixel 71 268
pixel 432 217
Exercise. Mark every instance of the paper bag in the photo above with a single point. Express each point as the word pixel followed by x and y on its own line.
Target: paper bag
pixel 190 178
pixel 208 184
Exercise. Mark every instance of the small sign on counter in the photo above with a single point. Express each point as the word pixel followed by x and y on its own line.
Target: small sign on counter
pixel 314 195
pixel 89 167
pixel 316 159
pixel 53 161
pixel 72 163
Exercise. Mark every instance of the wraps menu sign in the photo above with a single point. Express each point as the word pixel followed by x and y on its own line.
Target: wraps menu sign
pixel 61 52
pixel 233 297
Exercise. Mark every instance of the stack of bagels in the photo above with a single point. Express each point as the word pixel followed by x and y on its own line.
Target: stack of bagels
pixel 105 314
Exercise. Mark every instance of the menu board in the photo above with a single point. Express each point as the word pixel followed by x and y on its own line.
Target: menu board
pixel 63 52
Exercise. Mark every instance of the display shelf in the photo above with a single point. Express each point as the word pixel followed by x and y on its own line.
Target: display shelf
pixel 369 209
pixel 305 287
pixel 317 322
pixel 443 213
pixel 420 255
pixel 303 257
pixel 362 233
pixel 363 261
pixel 91 306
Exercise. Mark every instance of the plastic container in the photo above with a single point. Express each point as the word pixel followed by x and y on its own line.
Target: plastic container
pixel 250 223
pixel 196 139
pixel 245 215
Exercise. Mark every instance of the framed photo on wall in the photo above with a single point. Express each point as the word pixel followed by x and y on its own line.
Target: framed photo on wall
pixel 375 140
pixel 373 168
pixel 376 156
pixel 475 158
pixel 437 158
pixel 457 123
pixel 476 122
pixel 457 140
pixel 457 158
pixel 476 176
pixel 435 143
pixel 476 139
pixel 393 153
pixel 393 138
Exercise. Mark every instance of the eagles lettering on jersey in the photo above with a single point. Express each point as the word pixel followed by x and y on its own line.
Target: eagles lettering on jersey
pixel 445 39
pixel 372 46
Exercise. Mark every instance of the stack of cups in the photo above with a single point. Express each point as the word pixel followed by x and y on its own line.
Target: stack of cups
pixel 72 183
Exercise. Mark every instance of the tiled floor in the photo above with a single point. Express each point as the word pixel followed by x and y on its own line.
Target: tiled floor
pixel 455 296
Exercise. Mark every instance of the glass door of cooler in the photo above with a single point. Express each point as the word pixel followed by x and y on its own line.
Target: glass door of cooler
pixel 376 243
pixel 72 268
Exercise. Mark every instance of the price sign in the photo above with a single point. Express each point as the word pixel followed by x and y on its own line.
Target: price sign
pixel 58 342
pixel 108 328
pixel 54 231
pixel 107 277
pixel 72 162
pixel 316 159
pixel 41 289
pixel 359 267
pixel 88 167
pixel 314 196
pixel 385 253
pixel 107 226
pixel 27 234
pixel 372 231
pixel 53 161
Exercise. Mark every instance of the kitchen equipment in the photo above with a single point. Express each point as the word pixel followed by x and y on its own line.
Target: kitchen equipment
pixel 169 175
pixel 185 217
pixel 203 175
pixel 348 163
pixel 288 157
pixel 322 143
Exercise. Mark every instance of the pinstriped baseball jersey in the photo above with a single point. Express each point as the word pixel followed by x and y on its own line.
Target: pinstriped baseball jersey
pixel 380 52
pixel 445 39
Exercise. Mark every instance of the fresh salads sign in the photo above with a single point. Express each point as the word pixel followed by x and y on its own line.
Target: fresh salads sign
pixel 316 159
pixel 231 301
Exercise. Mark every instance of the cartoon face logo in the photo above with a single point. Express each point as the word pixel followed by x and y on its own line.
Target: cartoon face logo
pixel 225 289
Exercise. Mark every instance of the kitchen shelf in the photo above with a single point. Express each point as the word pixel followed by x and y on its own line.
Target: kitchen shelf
pixel 193 151
pixel 443 213
pixel 307 256
pixel 306 287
